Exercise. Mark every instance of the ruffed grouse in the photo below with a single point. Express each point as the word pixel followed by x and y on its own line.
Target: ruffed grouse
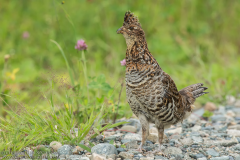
pixel 151 93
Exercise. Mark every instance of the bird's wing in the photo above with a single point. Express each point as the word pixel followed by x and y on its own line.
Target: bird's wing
pixel 160 94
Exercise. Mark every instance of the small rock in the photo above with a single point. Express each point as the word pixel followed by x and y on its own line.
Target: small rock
pixel 186 141
pixel 112 156
pixel 196 156
pixel 197 139
pixel 96 156
pixel 146 158
pixel 129 128
pixel 176 130
pixel 216 118
pixel 120 150
pixel 132 144
pixel 228 143
pixel 126 155
pixel 237 103
pixel 209 106
pixel 64 150
pixel 99 137
pixel 89 156
pixel 237 147
pixel 134 122
pixel 204 158
pixel 84 158
pixel 38 147
pixel 62 157
pixel 173 150
pixel 75 151
pixel 233 132
pixel 196 128
pixel 132 136
pixel 237 127
pixel 230 99
pixel 55 145
pixel 207 128
pixel 160 158
pixel 153 137
pixel 212 152
pixel 113 137
pixel 153 130
pixel 222 110
pixel 230 113
pixel 237 157
pixel 104 149
pixel 75 157
pixel 220 158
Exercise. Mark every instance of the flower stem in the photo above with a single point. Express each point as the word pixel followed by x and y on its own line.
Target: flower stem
pixel 85 71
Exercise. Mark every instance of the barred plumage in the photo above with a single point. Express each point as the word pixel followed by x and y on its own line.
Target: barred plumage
pixel 151 93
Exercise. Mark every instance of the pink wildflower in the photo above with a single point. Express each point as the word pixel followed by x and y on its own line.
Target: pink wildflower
pixel 123 62
pixel 25 35
pixel 81 45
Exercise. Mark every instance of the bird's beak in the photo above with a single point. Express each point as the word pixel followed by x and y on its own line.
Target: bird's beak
pixel 120 30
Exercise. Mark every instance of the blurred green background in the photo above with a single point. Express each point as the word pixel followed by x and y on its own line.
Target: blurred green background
pixel 192 40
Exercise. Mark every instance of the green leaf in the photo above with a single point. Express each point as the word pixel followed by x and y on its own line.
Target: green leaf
pixel 91 144
pixel 84 147
pixel 123 146
pixel 100 100
pixel 105 87
pixel 101 78
pixel 111 142
pixel 207 114
pixel 96 130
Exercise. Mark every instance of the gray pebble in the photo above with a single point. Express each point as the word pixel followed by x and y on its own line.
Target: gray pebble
pixel 160 158
pixel 197 139
pixel 212 152
pixel 75 157
pixel 84 158
pixel 120 150
pixel 133 136
pixel 237 147
pixel 104 149
pixel 65 150
pixel 196 156
pixel 216 118
pixel 220 158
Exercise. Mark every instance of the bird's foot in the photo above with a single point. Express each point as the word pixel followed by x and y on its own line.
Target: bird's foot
pixel 158 151
pixel 140 148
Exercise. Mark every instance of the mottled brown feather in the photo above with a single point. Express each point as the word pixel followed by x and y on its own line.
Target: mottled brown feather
pixel 151 93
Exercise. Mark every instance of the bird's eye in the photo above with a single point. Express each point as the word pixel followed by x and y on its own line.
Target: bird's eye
pixel 131 28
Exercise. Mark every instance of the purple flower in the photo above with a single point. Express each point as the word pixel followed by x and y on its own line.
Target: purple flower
pixel 123 62
pixel 81 45
pixel 25 35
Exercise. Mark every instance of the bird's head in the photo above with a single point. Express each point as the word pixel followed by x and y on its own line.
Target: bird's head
pixel 131 29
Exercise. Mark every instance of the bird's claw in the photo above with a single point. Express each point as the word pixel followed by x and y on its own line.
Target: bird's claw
pixel 158 151
pixel 140 148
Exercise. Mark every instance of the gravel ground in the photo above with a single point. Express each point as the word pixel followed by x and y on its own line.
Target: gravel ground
pixel 215 139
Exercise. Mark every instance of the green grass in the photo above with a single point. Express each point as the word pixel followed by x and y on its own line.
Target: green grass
pixel 192 41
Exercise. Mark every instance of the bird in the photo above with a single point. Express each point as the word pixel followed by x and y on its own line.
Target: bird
pixel 151 93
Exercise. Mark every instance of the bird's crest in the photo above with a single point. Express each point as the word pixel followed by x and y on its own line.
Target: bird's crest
pixel 129 18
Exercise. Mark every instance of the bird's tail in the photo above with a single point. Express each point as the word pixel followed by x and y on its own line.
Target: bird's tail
pixel 190 93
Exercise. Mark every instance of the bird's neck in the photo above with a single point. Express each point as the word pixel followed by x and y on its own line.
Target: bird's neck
pixel 138 56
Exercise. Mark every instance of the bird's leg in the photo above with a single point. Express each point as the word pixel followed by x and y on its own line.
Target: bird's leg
pixel 145 130
pixel 160 128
